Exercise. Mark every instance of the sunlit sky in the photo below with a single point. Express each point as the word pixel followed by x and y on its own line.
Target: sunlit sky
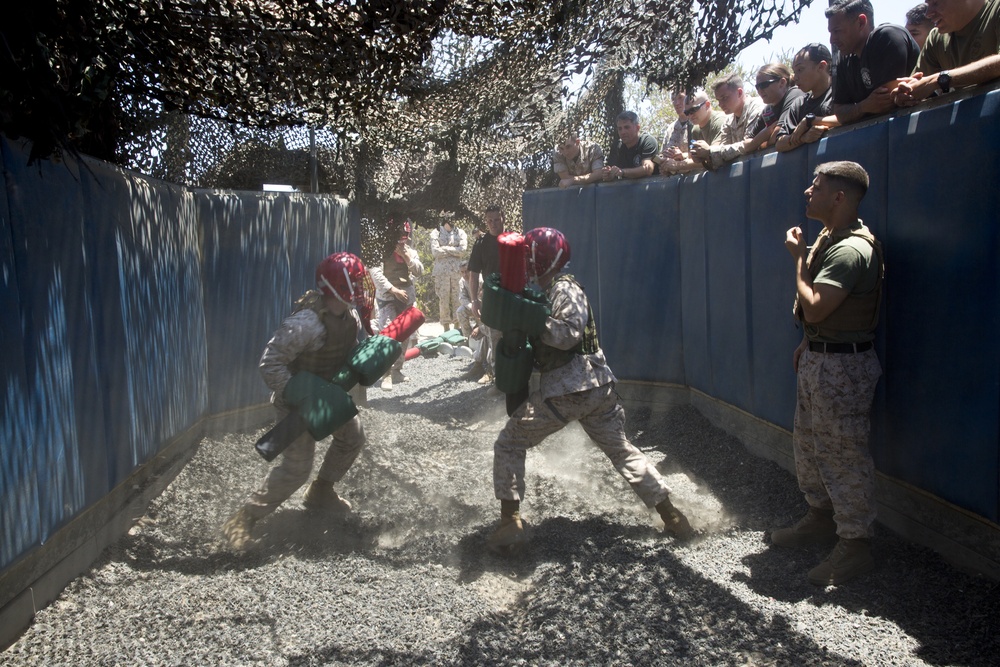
pixel 812 28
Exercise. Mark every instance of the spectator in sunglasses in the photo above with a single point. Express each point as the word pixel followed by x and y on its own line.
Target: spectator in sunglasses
pixel 777 92
pixel 706 131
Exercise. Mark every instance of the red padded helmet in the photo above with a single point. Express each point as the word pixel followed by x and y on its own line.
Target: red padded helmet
pixel 343 275
pixel 548 250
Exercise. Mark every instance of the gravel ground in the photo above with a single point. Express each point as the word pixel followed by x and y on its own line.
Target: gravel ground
pixel 406 580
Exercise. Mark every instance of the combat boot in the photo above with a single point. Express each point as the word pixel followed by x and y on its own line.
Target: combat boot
pixel 849 559
pixel 816 527
pixel 238 530
pixel 321 496
pixel 674 521
pixel 474 372
pixel 509 536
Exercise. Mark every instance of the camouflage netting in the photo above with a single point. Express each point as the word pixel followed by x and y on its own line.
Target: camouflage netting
pixel 417 108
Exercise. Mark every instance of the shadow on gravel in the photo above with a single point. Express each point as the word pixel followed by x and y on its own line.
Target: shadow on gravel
pixel 757 494
pixel 604 593
pixel 307 534
pixel 954 617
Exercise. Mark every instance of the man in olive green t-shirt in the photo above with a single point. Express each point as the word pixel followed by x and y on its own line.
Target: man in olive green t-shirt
pixel 962 50
pixel 707 131
pixel 837 297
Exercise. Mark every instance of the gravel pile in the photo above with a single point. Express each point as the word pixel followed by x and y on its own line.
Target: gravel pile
pixel 406 580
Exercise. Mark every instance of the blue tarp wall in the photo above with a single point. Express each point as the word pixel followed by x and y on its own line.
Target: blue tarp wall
pixel 691 284
pixel 131 309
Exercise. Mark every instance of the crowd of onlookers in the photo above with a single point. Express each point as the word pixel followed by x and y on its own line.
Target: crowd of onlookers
pixel 945 45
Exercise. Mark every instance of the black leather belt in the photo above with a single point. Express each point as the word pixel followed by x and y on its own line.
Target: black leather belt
pixel 839 348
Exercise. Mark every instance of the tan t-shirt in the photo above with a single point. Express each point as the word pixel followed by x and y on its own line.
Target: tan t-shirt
pixel 590 159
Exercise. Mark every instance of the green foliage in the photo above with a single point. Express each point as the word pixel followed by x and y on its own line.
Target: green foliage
pixel 427 300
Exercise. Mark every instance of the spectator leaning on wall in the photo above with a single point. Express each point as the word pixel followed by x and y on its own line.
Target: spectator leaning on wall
pixel 636 151
pixel 962 50
pixel 872 60
pixel 808 117
pixel 918 25
pixel 743 111
pixel 706 133
pixel 677 137
pixel 778 93
pixel 679 133
pixel 578 162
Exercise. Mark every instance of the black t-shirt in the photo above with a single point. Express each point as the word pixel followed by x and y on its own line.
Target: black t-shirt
pixel 771 113
pixel 890 53
pixel 626 158
pixel 485 256
pixel 802 106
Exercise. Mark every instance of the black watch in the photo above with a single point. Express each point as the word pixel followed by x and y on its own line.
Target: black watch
pixel 944 80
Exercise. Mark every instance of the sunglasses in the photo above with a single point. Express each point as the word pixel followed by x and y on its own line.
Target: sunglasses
pixel 761 85
pixel 688 112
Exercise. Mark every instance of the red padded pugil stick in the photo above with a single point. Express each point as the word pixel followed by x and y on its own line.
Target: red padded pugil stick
pixel 405 324
pixel 513 262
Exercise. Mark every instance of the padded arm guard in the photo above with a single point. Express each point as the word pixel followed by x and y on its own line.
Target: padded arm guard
pixel 322 407
pixel 518 316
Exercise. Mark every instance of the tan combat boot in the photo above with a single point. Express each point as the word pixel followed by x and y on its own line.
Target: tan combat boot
pixel 849 559
pixel 816 527
pixel 674 522
pixel 509 536
pixel 238 530
pixel 321 496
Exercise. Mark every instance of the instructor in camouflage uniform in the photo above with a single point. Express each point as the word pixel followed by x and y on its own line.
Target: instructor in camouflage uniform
pixel 576 385
pixel 838 292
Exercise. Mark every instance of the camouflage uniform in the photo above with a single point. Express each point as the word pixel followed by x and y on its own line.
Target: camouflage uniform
pixel 832 423
pixel 581 389
pixel 464 314
pixel 309 332
pixel 589 160
pixel 832 426
pixel 448 248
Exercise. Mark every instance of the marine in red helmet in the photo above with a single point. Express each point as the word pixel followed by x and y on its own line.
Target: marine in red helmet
pixel 576 384
pixel 317 337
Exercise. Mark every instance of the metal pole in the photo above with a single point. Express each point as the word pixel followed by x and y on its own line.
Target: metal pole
pixel 314 167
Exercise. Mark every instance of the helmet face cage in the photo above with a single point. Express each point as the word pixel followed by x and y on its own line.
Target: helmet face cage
pixel 548 251
pixel 342 276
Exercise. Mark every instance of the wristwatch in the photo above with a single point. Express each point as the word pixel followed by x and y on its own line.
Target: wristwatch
pixel 944 80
